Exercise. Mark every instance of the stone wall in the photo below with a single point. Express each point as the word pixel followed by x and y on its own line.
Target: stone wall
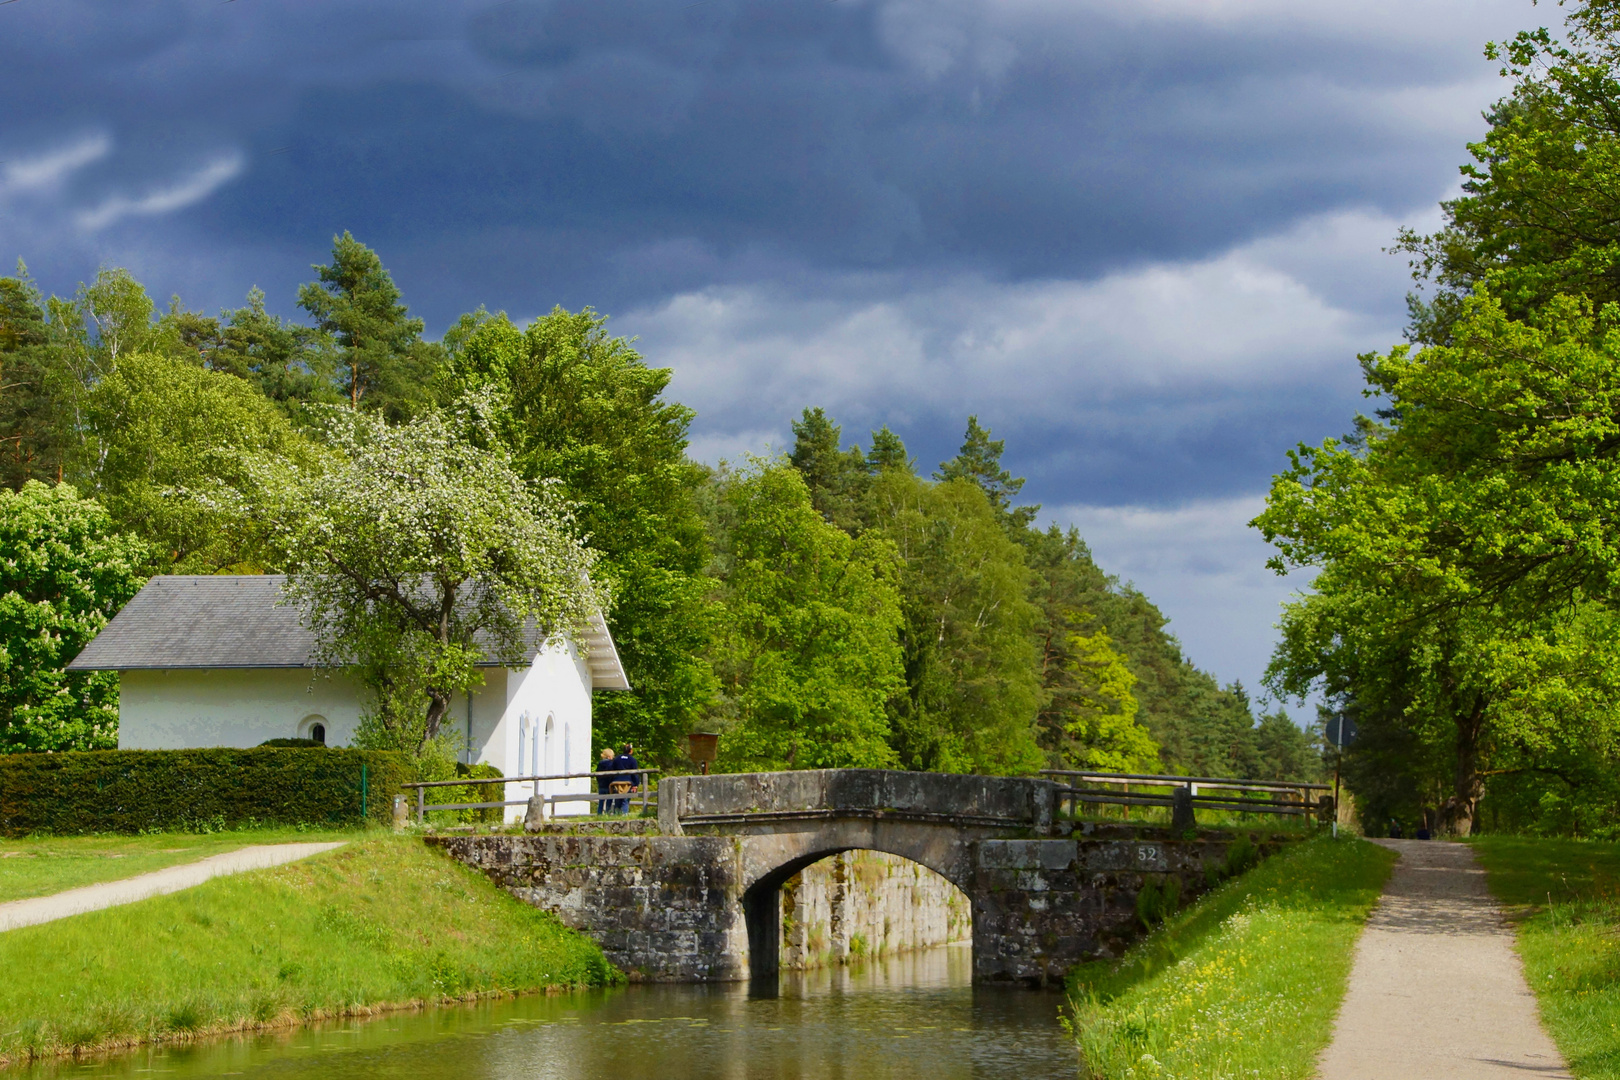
pixel 867 903
pixel 663 908
pixel 1043 906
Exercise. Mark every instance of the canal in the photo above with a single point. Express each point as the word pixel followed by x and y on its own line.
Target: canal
pixel 915 1015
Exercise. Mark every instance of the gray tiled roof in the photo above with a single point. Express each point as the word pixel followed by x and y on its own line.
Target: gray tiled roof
pixel 235 622
pixel 202 622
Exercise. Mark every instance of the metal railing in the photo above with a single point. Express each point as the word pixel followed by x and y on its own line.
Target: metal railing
pixel 1278 796
pixel 423 807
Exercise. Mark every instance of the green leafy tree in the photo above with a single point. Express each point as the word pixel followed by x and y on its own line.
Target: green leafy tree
pixel 177 454
pixel 421 553
pixel 184 334
pixel 1539 214
pixel 1100 729
pixel 1463 616
pixel 807 654
pixel 88 336
pixel 290 364
pixel 1466 544
pixel 972 686
pixel 63 574
pixel 583 408
pixel 383 364
pixel 1286 751
pixel 888 452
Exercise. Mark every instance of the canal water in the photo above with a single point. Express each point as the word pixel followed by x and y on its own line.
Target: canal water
pixel 916 1015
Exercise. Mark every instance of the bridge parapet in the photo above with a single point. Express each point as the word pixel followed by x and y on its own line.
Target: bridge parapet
pixel 1000 802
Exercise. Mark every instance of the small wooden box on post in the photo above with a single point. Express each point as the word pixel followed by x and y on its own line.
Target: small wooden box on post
pixel 703 746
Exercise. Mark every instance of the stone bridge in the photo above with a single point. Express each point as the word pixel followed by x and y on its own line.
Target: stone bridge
pixel 698 898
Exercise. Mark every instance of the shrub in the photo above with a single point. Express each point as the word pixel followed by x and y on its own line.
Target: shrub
pixel 131 791
pixel 470 793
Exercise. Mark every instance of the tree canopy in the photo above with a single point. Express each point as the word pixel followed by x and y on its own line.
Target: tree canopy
pixel 64 573
pixel 807 653
pixel 1464 534
pixel 422 553
pixel 580 406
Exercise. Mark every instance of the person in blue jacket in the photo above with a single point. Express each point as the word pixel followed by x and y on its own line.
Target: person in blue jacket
pixel 627 760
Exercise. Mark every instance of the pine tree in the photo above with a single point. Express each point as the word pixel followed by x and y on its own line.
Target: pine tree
pixel 979 461
pixel 887 452
pixel 383 363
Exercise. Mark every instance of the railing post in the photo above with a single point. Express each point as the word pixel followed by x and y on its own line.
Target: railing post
pixel 421 806
pixel 1182 817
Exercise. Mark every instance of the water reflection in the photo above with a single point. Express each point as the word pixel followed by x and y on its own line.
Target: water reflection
pixel 915 1015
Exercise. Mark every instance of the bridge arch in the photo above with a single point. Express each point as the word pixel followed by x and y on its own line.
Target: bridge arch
pixel 770 863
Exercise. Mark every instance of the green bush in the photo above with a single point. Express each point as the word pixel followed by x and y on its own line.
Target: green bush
pixel 469 793
pixel 131 791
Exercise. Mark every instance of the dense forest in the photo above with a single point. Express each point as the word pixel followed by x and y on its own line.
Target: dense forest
pixel 835 606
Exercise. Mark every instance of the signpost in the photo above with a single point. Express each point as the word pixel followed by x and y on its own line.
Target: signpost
pixel 703 746
pixel 1341 732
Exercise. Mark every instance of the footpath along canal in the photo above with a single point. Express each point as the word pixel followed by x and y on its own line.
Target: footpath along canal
pixel 912 1015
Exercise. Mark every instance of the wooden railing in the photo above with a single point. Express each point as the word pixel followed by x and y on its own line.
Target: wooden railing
pixel 640 777
pixel 1248 796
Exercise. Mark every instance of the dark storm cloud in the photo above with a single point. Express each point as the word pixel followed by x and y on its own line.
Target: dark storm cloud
pixel 1140 238
pixel 542 146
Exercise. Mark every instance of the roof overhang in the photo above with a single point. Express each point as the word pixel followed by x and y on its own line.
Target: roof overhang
pixel 602 656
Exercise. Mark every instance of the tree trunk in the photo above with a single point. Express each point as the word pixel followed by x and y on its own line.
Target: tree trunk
pixel 1462 808
pixel 438 708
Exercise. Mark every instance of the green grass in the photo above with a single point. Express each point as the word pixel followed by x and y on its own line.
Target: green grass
pixel 382 922
pixel 1244 983
pixel 39 866
pixel 1564 897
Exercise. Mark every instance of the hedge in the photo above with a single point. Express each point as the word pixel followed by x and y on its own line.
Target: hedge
pixel 131 791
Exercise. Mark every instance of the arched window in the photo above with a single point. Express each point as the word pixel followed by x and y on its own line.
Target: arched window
pixel 568 748
pixel 523 742
pixel 313 727
pixel 546 760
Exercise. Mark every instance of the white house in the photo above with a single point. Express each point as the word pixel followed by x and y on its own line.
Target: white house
pixel 217 661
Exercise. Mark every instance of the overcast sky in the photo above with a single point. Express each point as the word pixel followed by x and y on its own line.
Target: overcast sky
pixel 1141 239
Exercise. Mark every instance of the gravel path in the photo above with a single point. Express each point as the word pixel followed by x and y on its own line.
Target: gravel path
pixel 1437 992
pixel 41 909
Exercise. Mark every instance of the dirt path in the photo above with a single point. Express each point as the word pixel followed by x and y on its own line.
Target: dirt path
pixel 41 909
pixel 1437 991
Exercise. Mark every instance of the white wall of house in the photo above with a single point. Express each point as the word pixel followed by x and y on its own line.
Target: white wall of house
pixel 545 729
pixel 186 709
pixel 523 722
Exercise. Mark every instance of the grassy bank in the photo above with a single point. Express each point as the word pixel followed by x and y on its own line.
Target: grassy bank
pixel 1244 983
pixel 381 922
pixel 39 866
pixel 1564 897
